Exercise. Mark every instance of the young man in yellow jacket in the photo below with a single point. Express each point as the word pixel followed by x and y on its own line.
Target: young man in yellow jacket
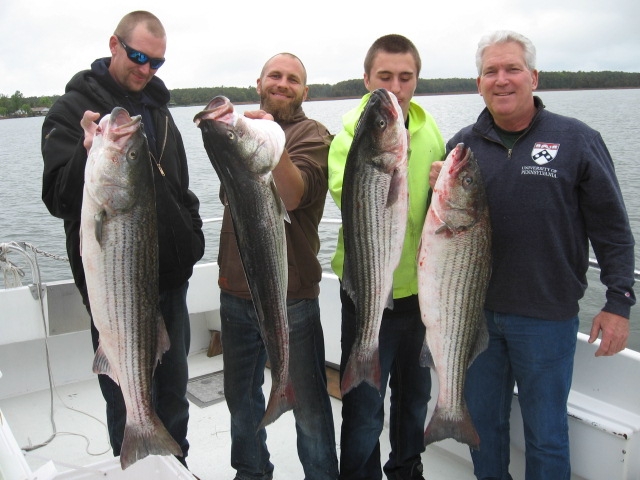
pixel 392 63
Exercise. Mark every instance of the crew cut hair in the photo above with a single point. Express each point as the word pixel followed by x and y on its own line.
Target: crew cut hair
pixel 392 43
pixel 506 36
pixel 131 20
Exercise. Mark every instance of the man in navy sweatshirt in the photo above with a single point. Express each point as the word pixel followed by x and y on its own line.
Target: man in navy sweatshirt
pixel 552 189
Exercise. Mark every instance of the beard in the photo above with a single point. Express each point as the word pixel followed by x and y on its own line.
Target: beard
pixel 281 111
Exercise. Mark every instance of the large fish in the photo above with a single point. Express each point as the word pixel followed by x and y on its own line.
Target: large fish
pixel 374 217
pixel 454 264
pixel 243 152
pixel 119 250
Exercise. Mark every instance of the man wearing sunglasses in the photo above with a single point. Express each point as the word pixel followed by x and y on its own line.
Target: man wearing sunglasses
pixel 127 79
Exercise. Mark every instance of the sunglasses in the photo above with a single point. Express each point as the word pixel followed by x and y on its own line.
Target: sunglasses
pixel 140 58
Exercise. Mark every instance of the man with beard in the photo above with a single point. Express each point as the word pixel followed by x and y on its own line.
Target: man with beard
pixel 301 179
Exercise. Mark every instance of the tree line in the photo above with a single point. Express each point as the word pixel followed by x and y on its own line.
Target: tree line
pixel 437 86
pixel 19 105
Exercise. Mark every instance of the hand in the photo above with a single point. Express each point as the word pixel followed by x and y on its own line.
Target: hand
pixel 615 333
pixel 258 114
pixel 89 125
pixel 434 172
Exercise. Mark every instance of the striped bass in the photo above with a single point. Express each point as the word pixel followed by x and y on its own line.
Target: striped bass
pixel 374 217
pixel 454 264
pixel 119 249
pixel 243 152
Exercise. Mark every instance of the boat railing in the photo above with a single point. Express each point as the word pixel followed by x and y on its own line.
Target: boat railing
pixel 12 273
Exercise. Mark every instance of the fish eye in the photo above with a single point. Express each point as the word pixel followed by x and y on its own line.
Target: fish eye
pixel 230 135
pixel 467 180
pixel 133 154
pixel 382 123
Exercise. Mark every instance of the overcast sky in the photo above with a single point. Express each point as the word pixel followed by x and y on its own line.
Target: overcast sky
pixel 226 42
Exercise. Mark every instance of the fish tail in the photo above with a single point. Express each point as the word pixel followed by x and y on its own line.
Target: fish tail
pixel 459 427
pixel 360 369
pixel 142 440
pixel 280 401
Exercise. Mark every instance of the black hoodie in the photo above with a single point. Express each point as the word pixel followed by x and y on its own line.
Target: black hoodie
pixel 180 237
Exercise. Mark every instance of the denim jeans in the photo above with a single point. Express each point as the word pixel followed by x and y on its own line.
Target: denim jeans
pixel 400 343
pixel 170 378
pixel 537 355
pixel 245 356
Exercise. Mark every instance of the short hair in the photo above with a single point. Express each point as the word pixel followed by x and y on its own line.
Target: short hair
pixel 392 43
pixel 131 20
pixel 304 70
pixel 505 36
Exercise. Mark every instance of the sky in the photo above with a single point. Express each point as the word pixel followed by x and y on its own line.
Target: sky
pixel 210 43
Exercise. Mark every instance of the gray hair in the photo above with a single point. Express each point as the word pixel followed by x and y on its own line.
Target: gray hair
pixel 505 36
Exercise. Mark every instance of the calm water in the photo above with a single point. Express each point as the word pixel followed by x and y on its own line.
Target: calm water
pixel 23 216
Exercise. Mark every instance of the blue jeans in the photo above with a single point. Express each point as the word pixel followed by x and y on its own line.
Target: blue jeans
pixel 169 379
pixel 400 343
pixel 537 354
pixel 245 357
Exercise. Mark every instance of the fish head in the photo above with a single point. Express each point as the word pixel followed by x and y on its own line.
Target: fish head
pixel 459 196
pixel 118 166
pixel 256 145
pixel 381 131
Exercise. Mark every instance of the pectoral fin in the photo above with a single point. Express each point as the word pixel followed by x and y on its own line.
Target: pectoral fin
pixel 99 219
pixel 282 209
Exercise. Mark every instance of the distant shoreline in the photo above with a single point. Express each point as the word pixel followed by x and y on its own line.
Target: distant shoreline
pixel 322 99
pixel 438 94
pixel 352 97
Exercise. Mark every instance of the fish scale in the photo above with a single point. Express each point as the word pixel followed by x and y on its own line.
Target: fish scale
pixel 120 260
pixel 243 153
pixel 368 250
pixel 374 216
pixel 454 262
pixel 462 301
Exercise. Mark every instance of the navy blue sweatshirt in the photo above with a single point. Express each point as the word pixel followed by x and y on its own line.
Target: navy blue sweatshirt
pixel 549 196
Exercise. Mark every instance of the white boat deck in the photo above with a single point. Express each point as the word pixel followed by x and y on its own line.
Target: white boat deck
pixel 47 335
pixel 82 440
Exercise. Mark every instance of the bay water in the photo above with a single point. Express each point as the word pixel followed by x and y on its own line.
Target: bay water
pixel 23 216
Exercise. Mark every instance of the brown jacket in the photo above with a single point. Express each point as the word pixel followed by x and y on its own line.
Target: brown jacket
pixel 307 143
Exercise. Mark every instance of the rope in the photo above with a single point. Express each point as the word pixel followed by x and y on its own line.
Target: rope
pixel 12 277
pixel 12 273
pixel 37 251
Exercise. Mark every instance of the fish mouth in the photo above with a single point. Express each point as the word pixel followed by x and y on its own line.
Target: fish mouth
pixel 219 109
pixel 383 100
pixel 387 101
pixel 118 127
pixel 460 158
pixel 119 124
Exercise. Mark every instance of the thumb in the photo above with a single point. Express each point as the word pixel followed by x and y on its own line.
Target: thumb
pixel 595 330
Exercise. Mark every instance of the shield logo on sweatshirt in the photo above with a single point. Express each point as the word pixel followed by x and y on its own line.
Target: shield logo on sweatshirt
pixel 543 152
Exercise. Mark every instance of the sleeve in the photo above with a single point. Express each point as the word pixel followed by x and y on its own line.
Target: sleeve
pixel 190 201
pixel 339 150
pixel 608 228
pixel 308 150
pixel 337 160
pixel 64 162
